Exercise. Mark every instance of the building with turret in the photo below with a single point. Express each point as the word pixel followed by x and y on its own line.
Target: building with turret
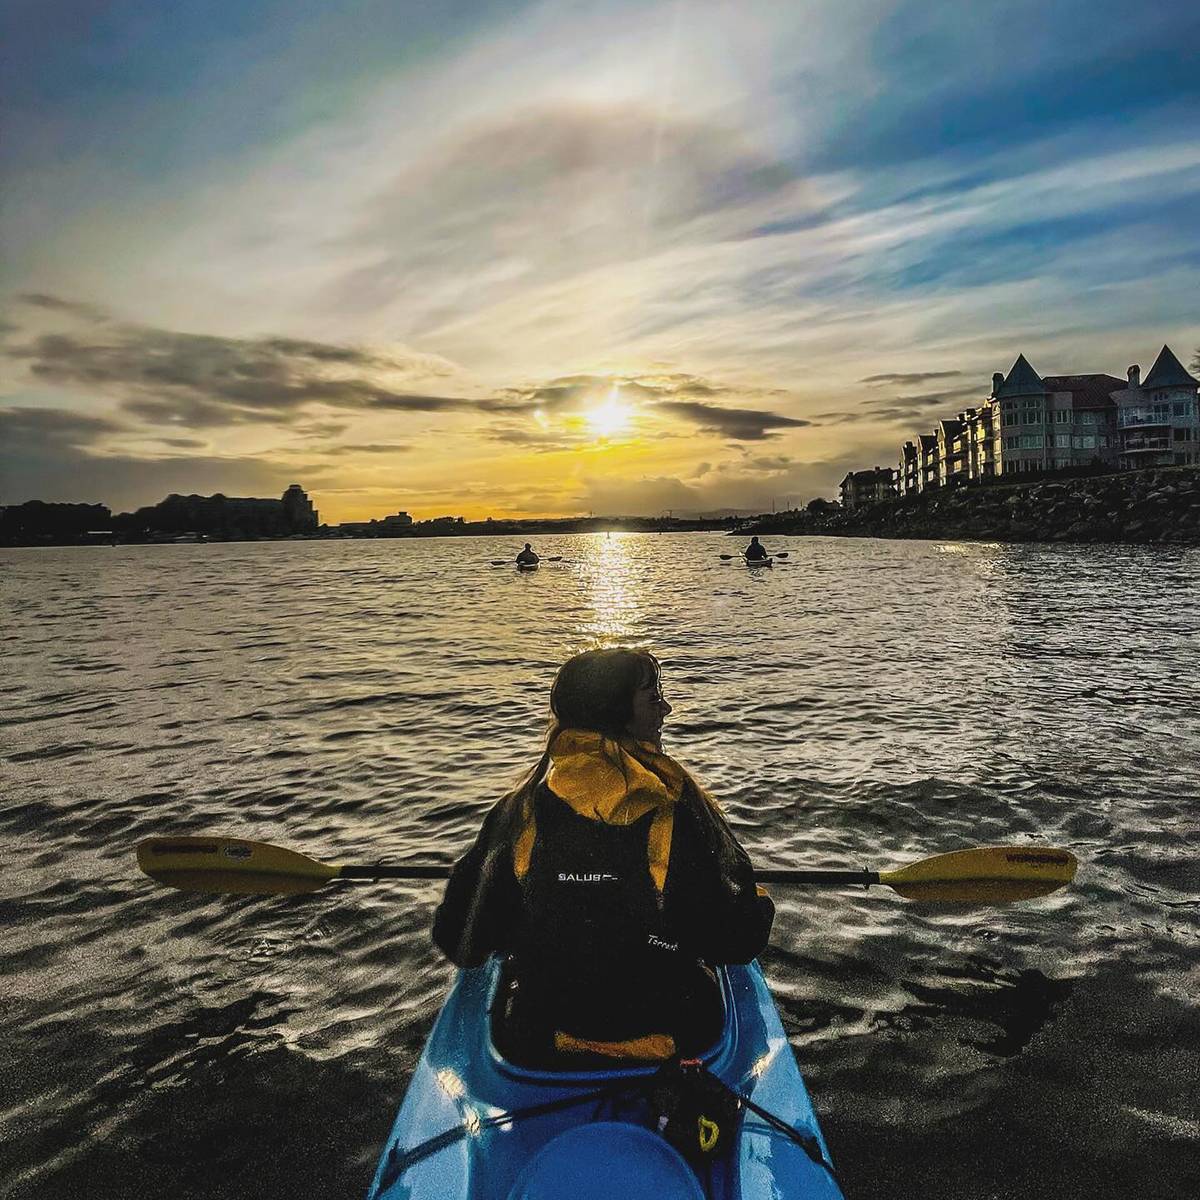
pixel 226 516
pixel 1032 423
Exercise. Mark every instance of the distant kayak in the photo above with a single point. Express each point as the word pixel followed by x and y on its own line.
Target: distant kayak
pixel 527 566
pixel 475 1125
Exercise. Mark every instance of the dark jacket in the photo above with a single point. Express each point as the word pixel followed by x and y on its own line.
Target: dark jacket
pixel 598 951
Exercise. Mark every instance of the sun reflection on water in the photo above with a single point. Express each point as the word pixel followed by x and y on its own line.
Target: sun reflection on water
pixel 611 573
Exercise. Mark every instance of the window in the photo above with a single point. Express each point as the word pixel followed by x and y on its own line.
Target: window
pixel 1011 443
pixel 1032 441
pixel 1085 442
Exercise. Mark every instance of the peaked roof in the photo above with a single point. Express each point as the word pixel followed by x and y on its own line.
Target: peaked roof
pixel 1087 391
pixel 1021 380
pixel 1168 371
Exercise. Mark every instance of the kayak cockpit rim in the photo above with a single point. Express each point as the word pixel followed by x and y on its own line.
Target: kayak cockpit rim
pixel 714 1058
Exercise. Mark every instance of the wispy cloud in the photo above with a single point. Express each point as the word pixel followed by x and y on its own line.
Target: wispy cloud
pixel 429 224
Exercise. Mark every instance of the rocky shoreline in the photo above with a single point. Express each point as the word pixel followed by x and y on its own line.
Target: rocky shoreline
pixel 1161 505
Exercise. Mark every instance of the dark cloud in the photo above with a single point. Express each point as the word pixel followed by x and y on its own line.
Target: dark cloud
pixel 910 380
pixel 769 465
pixel 321 429
pixel 739 424
pixel 201 380
pixel 75 308
pixel 45 454
pixel 675 394
pixel 31 428
pixel 366 448
pixel 561 393
pixel 539 439
pixel 904 408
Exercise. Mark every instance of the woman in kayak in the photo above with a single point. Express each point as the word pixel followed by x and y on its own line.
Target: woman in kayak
pixel 608 879
pixel 756 551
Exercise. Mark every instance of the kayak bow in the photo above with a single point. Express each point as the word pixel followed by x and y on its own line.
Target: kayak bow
pixel 474 1126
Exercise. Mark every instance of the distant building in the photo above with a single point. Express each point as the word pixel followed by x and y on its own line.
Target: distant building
pixel 1038 424
pixel 393 526
pixel 228 516
pixel 866 487
pixel 1158 422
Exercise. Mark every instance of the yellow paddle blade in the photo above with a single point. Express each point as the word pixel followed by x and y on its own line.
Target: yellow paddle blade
pixel 230 865
pixel 985 875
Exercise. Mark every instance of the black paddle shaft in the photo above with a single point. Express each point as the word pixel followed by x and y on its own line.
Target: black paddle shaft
pixel 861 878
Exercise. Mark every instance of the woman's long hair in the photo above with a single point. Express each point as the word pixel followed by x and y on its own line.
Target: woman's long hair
pixel 594 690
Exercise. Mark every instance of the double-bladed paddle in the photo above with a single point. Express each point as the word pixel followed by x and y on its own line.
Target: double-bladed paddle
pixel 981 875
pixel 508 562
pixel 781 554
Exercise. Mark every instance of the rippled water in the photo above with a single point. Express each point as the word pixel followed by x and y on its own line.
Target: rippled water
pixel 864 704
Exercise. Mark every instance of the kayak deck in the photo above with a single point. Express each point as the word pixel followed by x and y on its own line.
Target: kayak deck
pixel 462 1084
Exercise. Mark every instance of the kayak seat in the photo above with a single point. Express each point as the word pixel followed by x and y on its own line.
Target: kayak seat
pixel 606 1160
pixel 531 1040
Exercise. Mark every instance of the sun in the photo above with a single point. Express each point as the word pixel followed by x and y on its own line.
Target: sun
pixel 610 417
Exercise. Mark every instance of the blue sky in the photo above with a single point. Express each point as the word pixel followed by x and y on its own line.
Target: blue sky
pixel 413 254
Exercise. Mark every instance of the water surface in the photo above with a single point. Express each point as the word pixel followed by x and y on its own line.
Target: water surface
pixel 863 704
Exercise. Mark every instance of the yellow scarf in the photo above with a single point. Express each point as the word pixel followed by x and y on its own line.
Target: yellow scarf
pixel 613 782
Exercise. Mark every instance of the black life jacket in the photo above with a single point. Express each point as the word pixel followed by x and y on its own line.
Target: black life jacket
pixel 595 951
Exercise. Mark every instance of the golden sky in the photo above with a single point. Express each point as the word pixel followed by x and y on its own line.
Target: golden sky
pixel 546 259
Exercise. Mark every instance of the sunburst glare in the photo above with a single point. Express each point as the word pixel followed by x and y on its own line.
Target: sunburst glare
pixel 611 417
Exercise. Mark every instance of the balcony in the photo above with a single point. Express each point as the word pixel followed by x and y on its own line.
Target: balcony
pixel 1145 445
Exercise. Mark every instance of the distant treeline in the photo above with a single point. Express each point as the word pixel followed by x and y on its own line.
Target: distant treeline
pixel 38 521
pixel 221 518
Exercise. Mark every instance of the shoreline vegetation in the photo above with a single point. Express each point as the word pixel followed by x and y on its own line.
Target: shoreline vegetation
pixel 1155 506
pixel 1161 505
pixel 71 533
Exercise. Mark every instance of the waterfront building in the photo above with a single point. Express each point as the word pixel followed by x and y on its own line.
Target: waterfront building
pixel 866 487
pixel 951 454
pixel 1038 424
pixel 909 476
pixel 225 516
pixel 1158 421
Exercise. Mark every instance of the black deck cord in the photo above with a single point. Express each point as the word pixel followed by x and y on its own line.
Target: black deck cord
pixel 805 1141
pixel 399 1162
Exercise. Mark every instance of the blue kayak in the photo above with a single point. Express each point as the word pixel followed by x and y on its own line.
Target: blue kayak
pixel 474 1126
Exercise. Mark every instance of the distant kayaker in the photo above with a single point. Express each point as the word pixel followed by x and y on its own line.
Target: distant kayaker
pixel 608 879
pixel 527 555
pixel 755 552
